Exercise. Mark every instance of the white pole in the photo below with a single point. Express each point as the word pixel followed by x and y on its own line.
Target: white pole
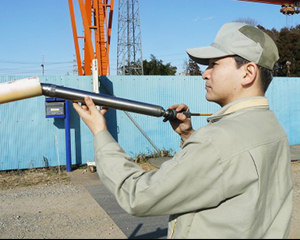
pixel 95 76
pixel 92 165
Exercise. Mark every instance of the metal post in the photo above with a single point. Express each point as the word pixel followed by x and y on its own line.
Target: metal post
pixel 68 137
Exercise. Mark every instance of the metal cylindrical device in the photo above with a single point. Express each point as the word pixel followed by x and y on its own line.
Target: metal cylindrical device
pixel 103 100
pixel 31 87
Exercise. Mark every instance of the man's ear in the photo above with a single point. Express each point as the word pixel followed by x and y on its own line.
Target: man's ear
pixel 250 74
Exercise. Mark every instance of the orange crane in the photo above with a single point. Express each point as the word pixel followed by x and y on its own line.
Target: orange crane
pixel 96 15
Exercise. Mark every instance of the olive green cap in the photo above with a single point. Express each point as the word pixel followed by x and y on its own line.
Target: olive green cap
pixel 244 40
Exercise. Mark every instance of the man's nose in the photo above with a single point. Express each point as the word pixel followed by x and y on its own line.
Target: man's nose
pixel 206 74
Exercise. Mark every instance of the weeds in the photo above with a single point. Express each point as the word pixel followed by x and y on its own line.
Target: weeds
pixel 144 157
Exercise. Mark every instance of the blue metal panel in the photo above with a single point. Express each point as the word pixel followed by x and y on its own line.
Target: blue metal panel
pixel 284 99
pixel 30 140
pixel 160 90
pixel 168 90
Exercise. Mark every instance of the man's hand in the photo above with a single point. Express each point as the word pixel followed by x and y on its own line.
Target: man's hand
pixel 92 117
pixel 182 124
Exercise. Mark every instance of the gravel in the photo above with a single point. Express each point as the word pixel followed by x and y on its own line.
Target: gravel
pixel 57 211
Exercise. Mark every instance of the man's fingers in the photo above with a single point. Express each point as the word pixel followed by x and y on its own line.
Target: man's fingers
pixel 182 107
pixel 82 110
pixel 76 107
pixel 181 116
pixel 84 107
pixel 90 105
pixel 179 107
pixel 103 110
pixel 89 102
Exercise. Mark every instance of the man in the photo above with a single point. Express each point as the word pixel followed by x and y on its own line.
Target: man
pixel 232 178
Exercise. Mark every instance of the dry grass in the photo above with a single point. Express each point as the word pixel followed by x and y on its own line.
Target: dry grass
pixel 47 176
pixel 29 177
pixel 147 166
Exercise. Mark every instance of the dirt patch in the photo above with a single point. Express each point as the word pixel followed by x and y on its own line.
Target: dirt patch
pixel 32 177
pixel 43 176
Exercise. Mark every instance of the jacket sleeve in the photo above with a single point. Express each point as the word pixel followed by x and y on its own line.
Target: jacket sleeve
pixel 190 181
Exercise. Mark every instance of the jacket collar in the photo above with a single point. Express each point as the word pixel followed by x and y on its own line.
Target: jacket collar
pixel 244 103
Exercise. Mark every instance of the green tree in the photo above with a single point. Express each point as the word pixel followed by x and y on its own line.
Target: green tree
pixel 191 68
pixel 156 67
pixel 288 43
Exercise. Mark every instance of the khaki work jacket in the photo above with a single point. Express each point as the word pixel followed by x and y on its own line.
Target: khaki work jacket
pixel 231 179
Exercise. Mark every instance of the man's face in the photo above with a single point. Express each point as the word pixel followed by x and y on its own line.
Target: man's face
pixel 222 80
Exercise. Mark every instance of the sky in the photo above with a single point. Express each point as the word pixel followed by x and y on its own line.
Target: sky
pixel 36 32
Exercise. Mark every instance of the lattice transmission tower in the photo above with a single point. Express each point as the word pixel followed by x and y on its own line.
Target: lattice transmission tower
pixel 129 48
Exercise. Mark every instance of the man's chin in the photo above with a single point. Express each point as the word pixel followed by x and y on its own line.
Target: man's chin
pixel 211 99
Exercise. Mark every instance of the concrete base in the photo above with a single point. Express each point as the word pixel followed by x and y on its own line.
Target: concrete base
pixel 295 152
pixel 156 162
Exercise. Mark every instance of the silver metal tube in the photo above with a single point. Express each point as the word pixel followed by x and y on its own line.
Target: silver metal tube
pixel 103 100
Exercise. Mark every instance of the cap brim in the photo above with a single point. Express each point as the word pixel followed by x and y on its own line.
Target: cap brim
pixel 204 54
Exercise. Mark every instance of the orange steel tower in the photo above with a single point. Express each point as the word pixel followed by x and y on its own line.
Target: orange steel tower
pixel 96 15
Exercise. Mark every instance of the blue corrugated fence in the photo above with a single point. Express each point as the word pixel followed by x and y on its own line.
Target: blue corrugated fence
pixel 30 140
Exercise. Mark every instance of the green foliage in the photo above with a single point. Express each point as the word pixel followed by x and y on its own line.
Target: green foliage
pixel 156 67
pixel 191 68
pixel 288 43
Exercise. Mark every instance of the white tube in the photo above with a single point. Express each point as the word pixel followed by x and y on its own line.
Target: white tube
pixel 20 89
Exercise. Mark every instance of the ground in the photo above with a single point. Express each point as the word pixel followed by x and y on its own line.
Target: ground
pixel 44 203
pixel 295 230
